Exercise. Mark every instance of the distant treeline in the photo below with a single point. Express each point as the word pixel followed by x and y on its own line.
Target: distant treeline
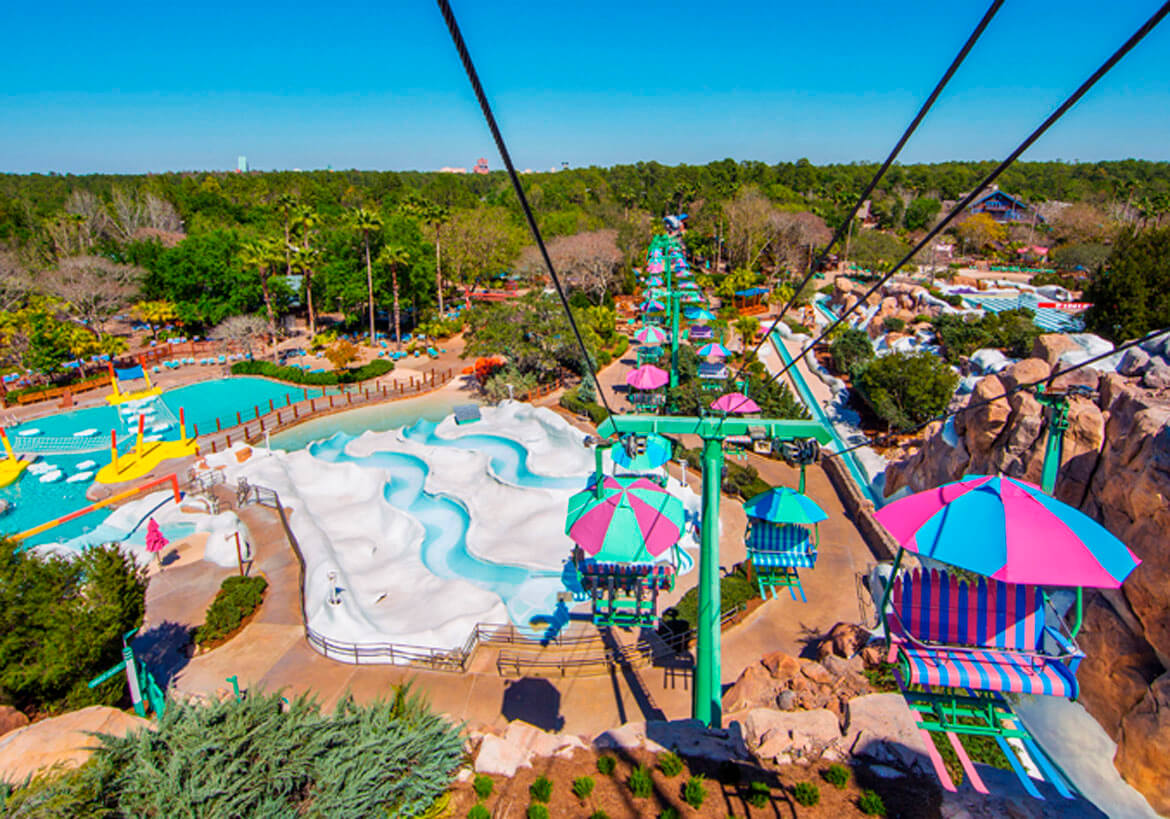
pixel 211 200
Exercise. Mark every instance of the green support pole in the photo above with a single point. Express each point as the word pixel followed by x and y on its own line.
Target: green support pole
pixel 673 296
pixel 597 457
pixel 708 702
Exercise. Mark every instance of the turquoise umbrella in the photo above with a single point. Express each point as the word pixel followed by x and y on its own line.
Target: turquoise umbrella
pixel 657 453
pixel 784 505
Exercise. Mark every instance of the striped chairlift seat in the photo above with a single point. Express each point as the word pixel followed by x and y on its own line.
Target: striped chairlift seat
pixel 777 552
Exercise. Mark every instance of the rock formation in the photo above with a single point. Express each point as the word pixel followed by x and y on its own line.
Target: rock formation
pixel 1115 468
pixel 66 740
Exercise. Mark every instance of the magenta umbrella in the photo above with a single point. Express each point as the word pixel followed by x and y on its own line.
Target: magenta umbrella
pixel 735 402
pixel 650 335
pixel 627 520
pixel 647 377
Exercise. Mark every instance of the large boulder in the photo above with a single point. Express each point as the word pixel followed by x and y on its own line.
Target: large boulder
pixel 1028 371
pixel 66 740
pixel 755 688
pixel 881 727
pixel 1051 346
pixel 498 756
pixel 1134 362
pixel 11 719
pixel 1157 375
pixel 764 725
pixel 1141 754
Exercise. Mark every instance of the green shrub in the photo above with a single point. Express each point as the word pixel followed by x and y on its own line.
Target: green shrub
pixel 906 389
pixel 583 786
pixel 295 375
pixel 570 401
pixel 893 324
pixel 734 589
pixel 541 789
pixel 694 792
pixel 806 793
pixel 483 786
pixel 537 812
pixel 759 794
pixel 850 349
pixel 670 764
pixel 871 804
pixel 837 775
pixel 669 812
pixel 237 598
pixel 599 814
pixel 478 811
pixel 606 764
pixel 641 784
pixel 61 624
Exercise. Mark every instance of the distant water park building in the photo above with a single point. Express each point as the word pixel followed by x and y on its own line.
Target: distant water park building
pixel 1003 207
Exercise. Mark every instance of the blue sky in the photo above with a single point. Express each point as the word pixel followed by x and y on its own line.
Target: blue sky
pixel 140 87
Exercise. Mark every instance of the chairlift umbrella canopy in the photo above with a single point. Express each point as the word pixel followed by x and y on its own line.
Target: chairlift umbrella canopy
pixel 714 349
pixel 698 314
pixel 1008 530
pixel 651 306
pixel 634 520
pixel 736 403
pixel 647 377
pixel 650 335
pixel 783 504
pixel 658 451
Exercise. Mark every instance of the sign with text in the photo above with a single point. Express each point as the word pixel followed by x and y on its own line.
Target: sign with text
pixel 1068 306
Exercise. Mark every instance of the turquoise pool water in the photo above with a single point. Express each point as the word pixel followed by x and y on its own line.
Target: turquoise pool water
pixel 32 502
pixel 380 418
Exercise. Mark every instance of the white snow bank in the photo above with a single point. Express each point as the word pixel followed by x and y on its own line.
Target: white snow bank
pixel 554 446
pixel 989 360
pixel 1090 346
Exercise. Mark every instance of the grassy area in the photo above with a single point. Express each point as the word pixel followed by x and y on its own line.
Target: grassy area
pixel 734 589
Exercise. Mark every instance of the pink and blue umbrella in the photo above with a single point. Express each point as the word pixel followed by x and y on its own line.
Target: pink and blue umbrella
pixel 1008 530
pixel 735 403
pixel 633 521
pixel 650 335
pixel 714 349
pixel 647 377
pixel 651 306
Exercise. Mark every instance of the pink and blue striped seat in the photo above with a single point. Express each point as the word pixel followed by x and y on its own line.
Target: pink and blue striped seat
pixel 990 636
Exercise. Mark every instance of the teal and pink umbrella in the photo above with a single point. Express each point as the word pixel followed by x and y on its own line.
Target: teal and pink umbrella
pixel 714 349
pixel 647 377
pixel 735 403
pixel 651 306
pixel 1008 530
pixel 632 520
pixel 650 335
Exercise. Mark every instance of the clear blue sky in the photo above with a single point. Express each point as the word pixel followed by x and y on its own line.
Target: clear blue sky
pixel 137 86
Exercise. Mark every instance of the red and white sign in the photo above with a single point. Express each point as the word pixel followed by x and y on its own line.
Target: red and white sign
pixel 1067 306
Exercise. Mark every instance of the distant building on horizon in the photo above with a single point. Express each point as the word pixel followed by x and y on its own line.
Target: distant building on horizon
pixel 452 170
pixel 481 166
pixel 241 164
pixel 1003 207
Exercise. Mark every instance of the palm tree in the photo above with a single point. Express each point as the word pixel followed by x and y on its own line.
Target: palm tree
pixel 434 217
pixel 304 220
pixel 287 204
pixel 395 256
pixel 366 222
pixel 263 255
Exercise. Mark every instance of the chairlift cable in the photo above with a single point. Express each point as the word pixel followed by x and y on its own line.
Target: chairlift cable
pixel 926 106
pixel 1027 385
pixel 1072 100
pixel 481 97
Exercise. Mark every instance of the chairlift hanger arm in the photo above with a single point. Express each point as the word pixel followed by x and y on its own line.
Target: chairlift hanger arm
pixel 712 427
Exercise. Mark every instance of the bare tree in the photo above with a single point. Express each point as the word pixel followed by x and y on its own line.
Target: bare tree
pixel 794 235
pixel 240 331
pixel 161 215
pixel 15 281
pixel 133 214
pixel 95 288
pixel 89 214
pixel 750 229
pixel 588 261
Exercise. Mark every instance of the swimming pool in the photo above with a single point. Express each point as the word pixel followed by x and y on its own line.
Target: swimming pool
pixel 32 502
pixel 378 418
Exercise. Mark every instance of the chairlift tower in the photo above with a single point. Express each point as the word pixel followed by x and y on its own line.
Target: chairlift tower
pixel 707 703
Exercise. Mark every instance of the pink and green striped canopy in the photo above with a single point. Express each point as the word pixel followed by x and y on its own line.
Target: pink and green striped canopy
pixel 634 521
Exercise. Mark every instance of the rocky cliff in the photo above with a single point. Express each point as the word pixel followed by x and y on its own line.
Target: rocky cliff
pixel 1116 468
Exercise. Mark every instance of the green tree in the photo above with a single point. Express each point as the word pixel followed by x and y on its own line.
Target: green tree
pixel 305 220
pixel 921 213
pixel 1131 294
pixel 433 216
pixel 906 389
pixel 262 255
pixel 393 257
pixel 61 624
pixel 366 222
pixel 154 314
pixel 852 348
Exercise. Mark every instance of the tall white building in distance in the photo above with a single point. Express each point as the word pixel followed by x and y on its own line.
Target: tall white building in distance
pixel 241 164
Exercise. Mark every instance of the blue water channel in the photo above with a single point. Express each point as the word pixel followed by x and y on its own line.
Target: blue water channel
pixel 527 593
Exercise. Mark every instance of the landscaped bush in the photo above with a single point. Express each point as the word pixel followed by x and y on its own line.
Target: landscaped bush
pixel 537 812
pixel 641 783
pixel 871 804
pixel 582 787
pixel 483 786
pixel 669 812
pixel 571 402
pixel 837 775
pixel 734 589
pixel 61 624
pixel 850 349
pixel 599 814
pixel 905 390
pixel 294 375
pixel 893 324
pixel 694 792
pixel 759 794
pixel 261 756
pixel 806 793
pixel 541 789
pixel 1012 331
pixel 478 811
pixel 606 765
pixel 237 598
pixel 670 764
